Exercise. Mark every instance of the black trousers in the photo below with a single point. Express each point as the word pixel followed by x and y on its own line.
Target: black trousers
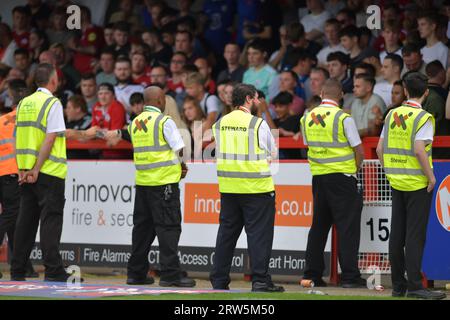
pixel 156 215
pixel 10 201
pixel 336 201
pixel 42 202
pixel 410 212
pixel 255 212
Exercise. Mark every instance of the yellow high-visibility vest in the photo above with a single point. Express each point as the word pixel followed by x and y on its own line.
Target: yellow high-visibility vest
pixel 401 165
pixel 31 128
pixel 242 166
pixel 328 148
pixel 156 163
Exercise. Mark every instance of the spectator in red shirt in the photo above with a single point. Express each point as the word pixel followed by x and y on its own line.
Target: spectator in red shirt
pixel 108 113
pixel 21 26
pixel 86 48
pixel 205 70
pixel 175 83
pixel 139 70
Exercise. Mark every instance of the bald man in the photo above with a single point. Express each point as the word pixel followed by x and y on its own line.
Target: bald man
pixel 335 155
pixel 156 146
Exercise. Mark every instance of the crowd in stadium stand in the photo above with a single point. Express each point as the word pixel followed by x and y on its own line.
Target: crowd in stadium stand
pixel 286 49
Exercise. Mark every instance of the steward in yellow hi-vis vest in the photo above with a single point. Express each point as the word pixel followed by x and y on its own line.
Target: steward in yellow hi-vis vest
pixel 242 165
pixel 31 126
pixel 156 144
pixel 404 150
pixel 335 154
pixel 401 165
pixel 244 144
pixel 156 163
pixel 328 147
pixel 41 160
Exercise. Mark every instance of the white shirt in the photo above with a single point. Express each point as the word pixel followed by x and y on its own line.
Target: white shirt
pixel 317 22
pixel 55 117
pixel 8 56
pixel 384 90
pixel 438 51
pixel 266 140
pixel 210 103
pixel 124 92
pixel 323 54
pixel 383 54
pixel 425 133
pixel 171 133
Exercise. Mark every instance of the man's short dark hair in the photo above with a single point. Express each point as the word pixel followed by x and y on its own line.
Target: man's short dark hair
pixel 367 67
pixel 106 86
pixel 79 102
pixel 398 83
pixel 295 31
pixel 396 60
pixel 410 48
pixel 122 58
pixel 122 26
pixel 22 52
pixel 349 13
pixel 292 73
pixel 433 68
pixel 284 98
pixel 415 84
pixel 43 74
pixel 339 56
pixel 350 31
pixel 431 16
pixel 88 76
pixel 240 93
pixel 367 78
pixel 108 51
pixel 324 71
pixel 136 98
pixel 22 10
pixel 190 35
pixel 18 89
pixel 257 44
pixel 295 56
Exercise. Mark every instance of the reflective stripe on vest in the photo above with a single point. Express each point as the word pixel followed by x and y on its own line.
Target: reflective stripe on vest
pixel 404 152
pixel 328 148
pixel 242 166
pixel 31 130
pixel 251 156
pixel 250 175
pixel 402 168
pixel 155 162
pixel 400 151
pixel 335 143
pixel 36 154
pixel 37 124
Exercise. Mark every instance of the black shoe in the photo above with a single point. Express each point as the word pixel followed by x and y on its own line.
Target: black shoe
pixel 221 288
pixel 31 274
pixel 59 278
pixel 399 293
pixel 184 282
pixel 426 294
pixel 355 284
pixel 17 278
pixel 135 282
pixel 1 275
pixel 264 287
